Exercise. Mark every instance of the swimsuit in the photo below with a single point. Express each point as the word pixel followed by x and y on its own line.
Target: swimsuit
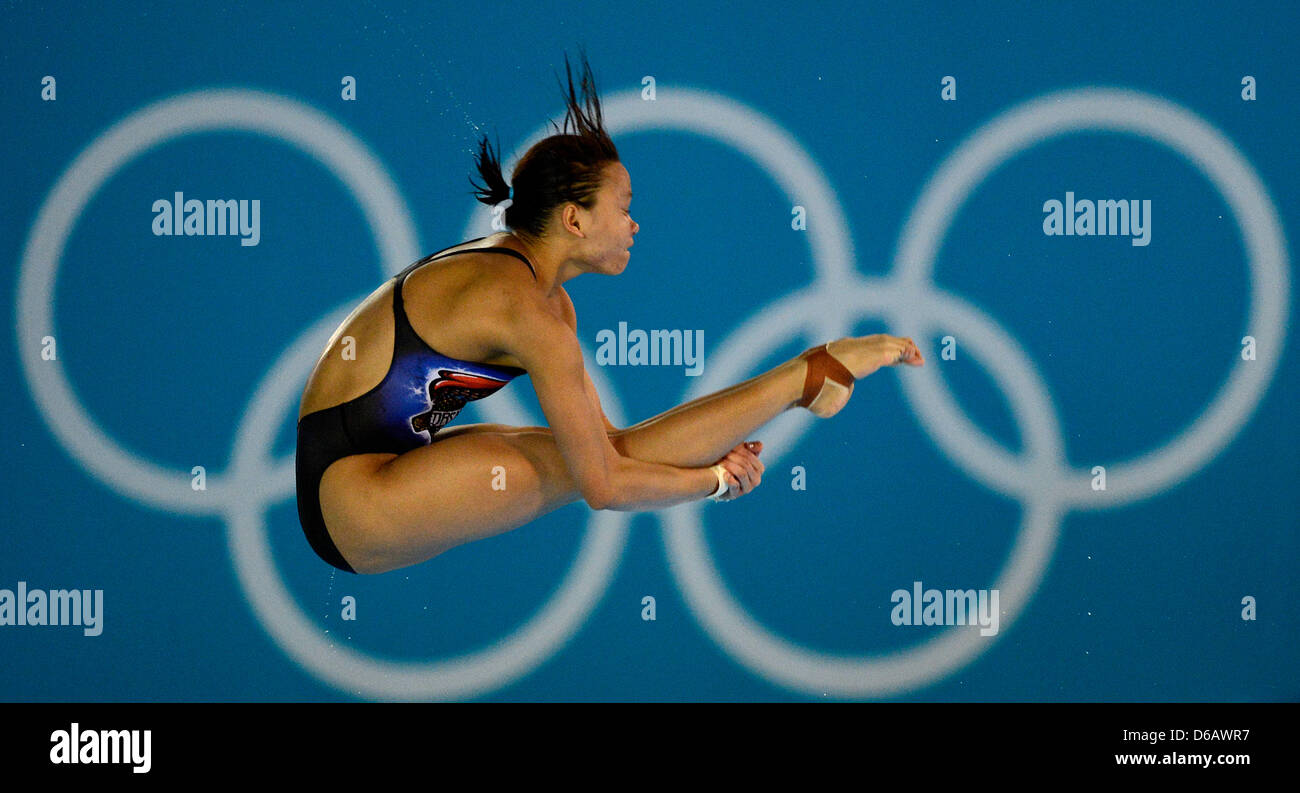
pixel 422 391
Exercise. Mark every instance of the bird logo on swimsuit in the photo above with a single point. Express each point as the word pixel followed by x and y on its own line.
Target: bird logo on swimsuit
pixel 448 393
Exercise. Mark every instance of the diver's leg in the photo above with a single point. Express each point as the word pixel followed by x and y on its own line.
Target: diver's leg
pixel 386 511
pixel 700 432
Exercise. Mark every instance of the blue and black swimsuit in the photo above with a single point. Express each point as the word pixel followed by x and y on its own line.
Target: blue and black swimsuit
pixel 422 391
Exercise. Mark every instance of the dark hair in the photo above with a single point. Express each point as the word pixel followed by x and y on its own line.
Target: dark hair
pixel 563 167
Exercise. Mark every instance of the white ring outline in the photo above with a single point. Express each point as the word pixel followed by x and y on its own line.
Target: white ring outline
pixel 253 484
pixel 216 109
pixel 462 676
pixel 787 663
pixel 353 670
pixel 1203 146
pixel 795 667
pixel 819 308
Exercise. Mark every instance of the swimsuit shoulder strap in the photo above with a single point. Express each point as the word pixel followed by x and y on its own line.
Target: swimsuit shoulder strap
pixel 492 249
pixel 405 333
pixel 510 251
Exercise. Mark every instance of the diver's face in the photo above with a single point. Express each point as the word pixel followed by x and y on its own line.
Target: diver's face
pixel 614 230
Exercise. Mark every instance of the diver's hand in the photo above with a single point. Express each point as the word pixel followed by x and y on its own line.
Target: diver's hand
pixel 744 469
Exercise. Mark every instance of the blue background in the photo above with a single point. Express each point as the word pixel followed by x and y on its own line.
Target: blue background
pixel 164 338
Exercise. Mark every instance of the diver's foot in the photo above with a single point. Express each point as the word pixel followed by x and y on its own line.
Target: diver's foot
pixel 833 367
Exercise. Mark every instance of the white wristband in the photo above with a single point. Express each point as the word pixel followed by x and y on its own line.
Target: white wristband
pixel 723 486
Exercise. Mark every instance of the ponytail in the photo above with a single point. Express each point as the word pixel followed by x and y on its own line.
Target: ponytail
pixel 565 167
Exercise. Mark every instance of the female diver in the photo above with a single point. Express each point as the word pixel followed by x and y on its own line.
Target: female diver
pixel 381 485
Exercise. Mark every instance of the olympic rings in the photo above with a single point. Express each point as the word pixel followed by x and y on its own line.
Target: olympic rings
pixel 827 308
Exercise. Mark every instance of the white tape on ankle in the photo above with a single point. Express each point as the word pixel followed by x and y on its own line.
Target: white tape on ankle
pixel 723 486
